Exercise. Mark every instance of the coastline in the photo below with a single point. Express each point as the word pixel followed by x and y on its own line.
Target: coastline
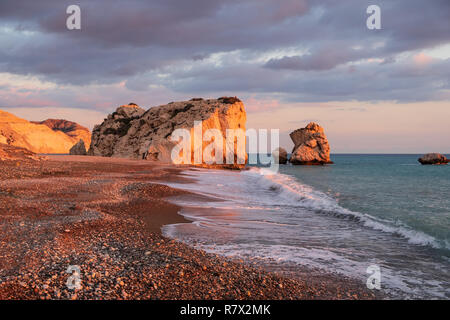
pixel 105 216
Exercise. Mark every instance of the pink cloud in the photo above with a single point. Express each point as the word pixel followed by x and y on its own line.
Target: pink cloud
pixel 422 59
pixel 14 96
pixel 257 105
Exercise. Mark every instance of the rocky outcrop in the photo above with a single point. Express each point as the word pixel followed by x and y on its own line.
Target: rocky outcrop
pixel 132 132
pixel 310 146
pixel 280 155
pixel 36 137
pixel 106 137
pixel 8 152
pixel 78 149
pixel 433 158
pixel 72 129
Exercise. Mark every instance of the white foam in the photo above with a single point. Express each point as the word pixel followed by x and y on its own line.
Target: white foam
pixel 287 191
pixel 256 198
pixel 396 283
pixel 294 193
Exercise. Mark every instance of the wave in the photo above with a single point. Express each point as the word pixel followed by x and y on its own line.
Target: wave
pixel 289 191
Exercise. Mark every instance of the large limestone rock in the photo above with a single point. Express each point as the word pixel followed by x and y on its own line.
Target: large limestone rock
pixel 132 132
pixel 280 155
pixel 78 149
pixel 72 129
pixel 433 158
pixel 310 146
pixel 36 137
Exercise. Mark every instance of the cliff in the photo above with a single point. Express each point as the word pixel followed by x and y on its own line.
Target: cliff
pixel 72 129
pixel 132 132
pixel 35 137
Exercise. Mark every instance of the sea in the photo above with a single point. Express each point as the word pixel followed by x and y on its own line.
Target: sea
pixel 365 212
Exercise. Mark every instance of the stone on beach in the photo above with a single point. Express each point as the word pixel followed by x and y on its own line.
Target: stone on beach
pixel 433 158
pixel 310 146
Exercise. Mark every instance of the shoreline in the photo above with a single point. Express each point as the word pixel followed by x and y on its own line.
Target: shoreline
pixel 105 216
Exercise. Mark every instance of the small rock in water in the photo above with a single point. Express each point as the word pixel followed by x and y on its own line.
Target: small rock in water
pixel 433 158
pixel 280 155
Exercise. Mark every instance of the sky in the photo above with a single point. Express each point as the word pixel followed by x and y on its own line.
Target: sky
pixel 289 61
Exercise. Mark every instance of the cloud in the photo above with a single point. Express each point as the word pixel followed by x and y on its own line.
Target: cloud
pixel 422 59
pixel 323 59
pixel 402 81
pixel 288 50
pixel 253 104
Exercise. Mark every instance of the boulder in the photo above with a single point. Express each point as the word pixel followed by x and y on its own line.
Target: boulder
pixel 310 146
pixel 132 132
pixel 280 155
pixel 78 149
pixel 433 158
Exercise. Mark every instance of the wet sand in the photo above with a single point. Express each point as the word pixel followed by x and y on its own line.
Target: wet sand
pixel 105 215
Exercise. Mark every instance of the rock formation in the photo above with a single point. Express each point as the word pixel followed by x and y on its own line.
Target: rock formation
pixel 280 155
pixel 310 146
pixel 433 158
pixel 8 152
pixel 78 149
pixel 132 132
pixel 72 129
pixel 35 137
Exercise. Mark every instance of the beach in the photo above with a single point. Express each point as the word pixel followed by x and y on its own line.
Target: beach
pixel 104 215
pixel 364 212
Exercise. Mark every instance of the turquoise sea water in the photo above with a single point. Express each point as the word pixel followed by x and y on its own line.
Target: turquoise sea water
pixel 395 188
pixel 365 210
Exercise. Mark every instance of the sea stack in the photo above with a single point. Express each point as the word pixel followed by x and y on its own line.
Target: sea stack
pixel 132 132
pixel 78 149
pixel 433 158
pixel 310 146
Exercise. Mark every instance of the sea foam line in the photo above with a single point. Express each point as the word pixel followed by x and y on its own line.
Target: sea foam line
pixel 291 192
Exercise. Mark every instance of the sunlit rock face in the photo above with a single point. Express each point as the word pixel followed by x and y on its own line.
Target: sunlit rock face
pixel 433 158
pixel 70 128
pixel 132 132
pixel 37 137
pixel 310 146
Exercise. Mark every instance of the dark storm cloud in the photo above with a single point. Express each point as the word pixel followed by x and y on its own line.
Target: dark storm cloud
pixel 134 40
pixel 219 24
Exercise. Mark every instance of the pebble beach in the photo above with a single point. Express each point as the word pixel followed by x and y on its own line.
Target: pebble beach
pixel 104 215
